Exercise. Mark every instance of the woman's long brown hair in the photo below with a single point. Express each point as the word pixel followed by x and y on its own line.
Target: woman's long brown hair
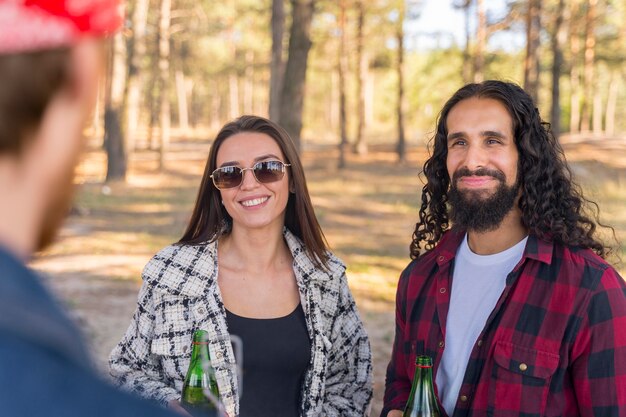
pixel 210 220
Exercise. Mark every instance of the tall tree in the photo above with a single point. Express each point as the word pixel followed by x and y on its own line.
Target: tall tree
pixel 360 145
pixel 164 79
pixel 588 70
pixel 557 40
pixel 292 97
pixel 181 95
pixel 531 62
pixel 617 76
pixel 135 70
pixel 277 66
pixel 465 5
pixel 611 105
pixel 342 69
pixel 400 100
pixel 481 42
pixel 574 124
pixel 114 108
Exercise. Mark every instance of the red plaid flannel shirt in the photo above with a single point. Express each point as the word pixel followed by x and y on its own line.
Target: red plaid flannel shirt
pixel 554 345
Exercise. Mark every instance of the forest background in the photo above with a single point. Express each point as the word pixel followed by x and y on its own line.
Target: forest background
pixel 358 84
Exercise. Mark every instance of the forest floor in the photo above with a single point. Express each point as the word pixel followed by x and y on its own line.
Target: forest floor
pixel 368 211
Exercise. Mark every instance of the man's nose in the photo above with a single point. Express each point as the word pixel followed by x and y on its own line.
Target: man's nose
pixel 475 157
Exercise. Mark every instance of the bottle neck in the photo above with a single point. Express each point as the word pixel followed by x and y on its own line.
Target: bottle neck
pixel 422 401
pixel 200 350
pixel 424 373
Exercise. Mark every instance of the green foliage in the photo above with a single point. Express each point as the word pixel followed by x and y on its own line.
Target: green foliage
pixel 212 42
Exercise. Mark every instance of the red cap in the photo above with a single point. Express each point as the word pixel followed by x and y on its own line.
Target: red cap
pixel 30 25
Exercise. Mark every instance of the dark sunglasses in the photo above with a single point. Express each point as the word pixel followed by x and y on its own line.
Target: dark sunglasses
pixel 264 172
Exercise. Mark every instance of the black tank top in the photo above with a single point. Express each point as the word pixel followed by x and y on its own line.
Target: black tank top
pixel 276 355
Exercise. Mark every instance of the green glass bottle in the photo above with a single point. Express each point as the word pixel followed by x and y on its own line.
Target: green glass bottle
pixel 193 398
pixel 422 401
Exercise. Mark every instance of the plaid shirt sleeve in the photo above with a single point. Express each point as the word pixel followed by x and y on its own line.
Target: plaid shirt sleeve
pixel 598 364
pixel 398 382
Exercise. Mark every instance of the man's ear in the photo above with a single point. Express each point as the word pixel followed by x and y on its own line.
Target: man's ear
pixel 86 62
pixel 60 133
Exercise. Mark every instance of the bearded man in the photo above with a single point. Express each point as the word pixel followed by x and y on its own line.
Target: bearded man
pixel 51 56
pixel 508 289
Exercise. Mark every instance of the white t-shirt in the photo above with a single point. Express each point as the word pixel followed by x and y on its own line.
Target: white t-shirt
pixel 477 283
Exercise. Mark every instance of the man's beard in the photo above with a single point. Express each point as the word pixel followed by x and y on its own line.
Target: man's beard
pixel 471 211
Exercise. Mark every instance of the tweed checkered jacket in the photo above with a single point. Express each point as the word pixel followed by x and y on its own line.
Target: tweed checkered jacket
pixel 180 295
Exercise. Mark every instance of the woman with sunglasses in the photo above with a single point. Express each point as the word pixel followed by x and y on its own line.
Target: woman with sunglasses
pixel 252 262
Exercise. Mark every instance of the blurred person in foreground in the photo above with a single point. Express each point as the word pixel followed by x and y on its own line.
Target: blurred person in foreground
pixel 253 262
pixel 50 62
pixel 508 289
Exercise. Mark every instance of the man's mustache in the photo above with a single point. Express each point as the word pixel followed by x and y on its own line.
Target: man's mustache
pixel 480 172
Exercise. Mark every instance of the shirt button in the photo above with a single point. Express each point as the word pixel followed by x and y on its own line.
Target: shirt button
pixel 441 258
pixel 201 310
pixel 479 343
pixel 185 348
pixel 219 355
pixel 463 398
pixel 523 367
pixel 441 344
pixel 442 290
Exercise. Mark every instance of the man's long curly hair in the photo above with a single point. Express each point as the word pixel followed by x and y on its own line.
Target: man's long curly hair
pixel 552 204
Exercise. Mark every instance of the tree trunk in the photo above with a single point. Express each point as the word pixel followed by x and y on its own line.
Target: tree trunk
pixel 164 69
pixel 597 114
pixel 114 108
pixel 181 98
pixel 277 67
pixel 611 105
pixel 590 46
pixel 467 55
pixel 342 67
pixel 531 62
pixel 248 86
pixel 135 71
pixel 233 94
pixel 558 38
pixel 114 146
pixel 292 97
pixel 481 42
pixel 574 124
pixel 401 146
pixel 216 106
pixel 370 90
pixel 360 146
pixel 97 119
pixel 333 105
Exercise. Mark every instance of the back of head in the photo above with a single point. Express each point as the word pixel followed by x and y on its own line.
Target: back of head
pixel 552 204
pixel 50 62
pixel 30 80
pixel 35 40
